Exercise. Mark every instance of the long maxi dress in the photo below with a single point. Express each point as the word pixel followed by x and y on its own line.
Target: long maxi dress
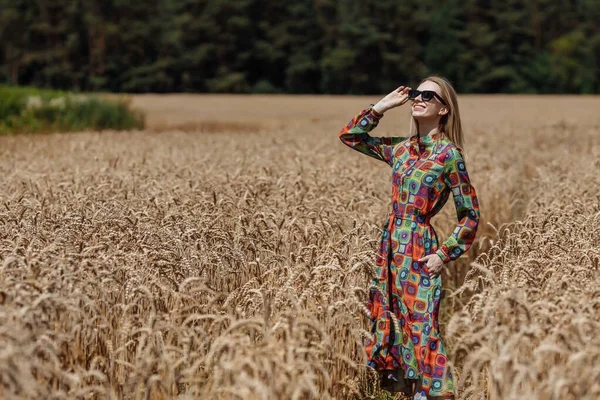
pixel 403 300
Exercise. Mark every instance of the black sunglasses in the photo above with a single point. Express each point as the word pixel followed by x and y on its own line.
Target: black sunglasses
pixel 426 95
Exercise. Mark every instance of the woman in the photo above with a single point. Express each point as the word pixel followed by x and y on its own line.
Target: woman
pixel 404 297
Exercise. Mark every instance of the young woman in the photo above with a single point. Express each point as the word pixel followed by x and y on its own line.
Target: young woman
pixel 404 296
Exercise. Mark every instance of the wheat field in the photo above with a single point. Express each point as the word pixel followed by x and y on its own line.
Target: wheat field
pixel 225 253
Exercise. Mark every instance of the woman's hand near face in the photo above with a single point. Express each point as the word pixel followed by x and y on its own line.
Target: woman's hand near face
pixel 394 99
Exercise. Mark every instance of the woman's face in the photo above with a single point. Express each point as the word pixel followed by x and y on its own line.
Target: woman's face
pixel 432 109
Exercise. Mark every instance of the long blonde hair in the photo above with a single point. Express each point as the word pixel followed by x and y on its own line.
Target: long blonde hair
pixel 450 123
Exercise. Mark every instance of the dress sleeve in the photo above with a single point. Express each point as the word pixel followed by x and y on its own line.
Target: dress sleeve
pixel 467 207
pixel 356 135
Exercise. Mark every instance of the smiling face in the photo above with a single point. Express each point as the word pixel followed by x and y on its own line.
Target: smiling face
pixel 428 110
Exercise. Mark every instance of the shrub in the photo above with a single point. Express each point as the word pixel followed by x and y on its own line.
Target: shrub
pixel 26 109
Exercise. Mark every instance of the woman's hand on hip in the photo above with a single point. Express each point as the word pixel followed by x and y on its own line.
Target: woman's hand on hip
pixel 434 265
pixel 394 99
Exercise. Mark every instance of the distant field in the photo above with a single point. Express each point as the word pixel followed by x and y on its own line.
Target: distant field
pixel 225 252
pixel 477 111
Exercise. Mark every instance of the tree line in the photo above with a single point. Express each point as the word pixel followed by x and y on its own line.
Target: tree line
pixel 301 46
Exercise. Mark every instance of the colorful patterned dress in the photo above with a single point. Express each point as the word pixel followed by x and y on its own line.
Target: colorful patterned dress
pixel 403 300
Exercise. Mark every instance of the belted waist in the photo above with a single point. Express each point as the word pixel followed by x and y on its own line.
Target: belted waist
pixel 410 216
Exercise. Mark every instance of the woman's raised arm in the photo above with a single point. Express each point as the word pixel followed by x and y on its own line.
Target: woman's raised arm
pixel 356 133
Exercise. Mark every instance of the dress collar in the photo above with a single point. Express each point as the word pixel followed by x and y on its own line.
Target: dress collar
pixel 426 141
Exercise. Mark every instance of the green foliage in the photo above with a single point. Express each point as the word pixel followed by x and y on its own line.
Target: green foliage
pixel 264 87
pixel 14 99
pixel 301 46
pixel 228 82
pixel 27 110
pixel 572 63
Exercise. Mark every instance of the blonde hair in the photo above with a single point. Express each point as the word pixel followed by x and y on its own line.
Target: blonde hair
pixel 450 123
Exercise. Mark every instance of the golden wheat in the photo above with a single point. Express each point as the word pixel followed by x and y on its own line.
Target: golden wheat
pixel 174 263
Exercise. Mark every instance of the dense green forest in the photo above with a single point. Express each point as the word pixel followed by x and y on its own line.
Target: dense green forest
pixel 300 46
